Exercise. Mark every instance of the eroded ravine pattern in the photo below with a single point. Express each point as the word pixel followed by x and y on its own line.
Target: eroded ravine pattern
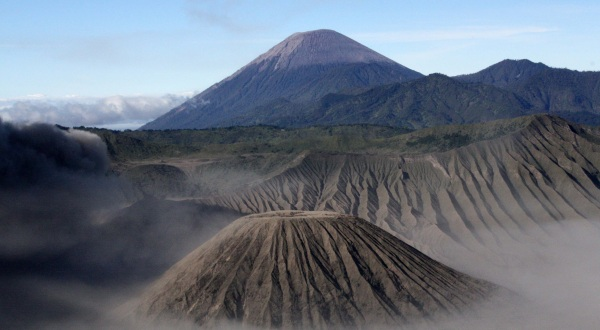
pixel 316 270
pixel 472 200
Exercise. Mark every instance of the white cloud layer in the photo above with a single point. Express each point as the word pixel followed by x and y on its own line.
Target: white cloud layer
pixel 115 112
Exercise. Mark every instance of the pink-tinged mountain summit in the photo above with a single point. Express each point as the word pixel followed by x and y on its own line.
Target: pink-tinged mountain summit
pixel 301 69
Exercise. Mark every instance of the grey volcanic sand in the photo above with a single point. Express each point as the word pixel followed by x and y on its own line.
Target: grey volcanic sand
pixel 319 47
pixel 296 269
pixel 485 202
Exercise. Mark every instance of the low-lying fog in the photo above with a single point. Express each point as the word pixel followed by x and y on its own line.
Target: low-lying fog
pixel 72 256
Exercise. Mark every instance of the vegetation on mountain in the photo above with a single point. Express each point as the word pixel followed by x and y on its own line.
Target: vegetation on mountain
pixel 505 74
pixel 562 90
pixel 426 102
pixel 150 145
pixel 139 145
pixel 570 94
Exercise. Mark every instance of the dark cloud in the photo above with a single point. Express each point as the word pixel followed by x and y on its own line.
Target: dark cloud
pixel 51 185
pixel 73 247
pixel 44 154
pixel 51 182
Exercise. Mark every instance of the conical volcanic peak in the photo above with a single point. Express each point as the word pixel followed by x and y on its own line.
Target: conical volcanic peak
pixel 292 269
pixel 302 68
pixel 319 47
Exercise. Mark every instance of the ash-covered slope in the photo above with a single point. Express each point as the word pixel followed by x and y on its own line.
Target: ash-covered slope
pixel 293 269
pixel 302 68
pixel 473 201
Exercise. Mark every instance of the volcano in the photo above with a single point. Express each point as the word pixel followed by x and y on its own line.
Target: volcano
pixel 302 68
pixel 296 269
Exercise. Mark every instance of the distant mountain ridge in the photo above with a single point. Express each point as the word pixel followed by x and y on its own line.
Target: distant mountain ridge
pixel 508 89
pixel 302 68
pixel 325 78
pixel 430 101
pixel 505 74
pixel 556 90
pixel 573 95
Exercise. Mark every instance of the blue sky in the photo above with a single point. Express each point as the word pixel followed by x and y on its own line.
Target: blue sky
pixel 63 48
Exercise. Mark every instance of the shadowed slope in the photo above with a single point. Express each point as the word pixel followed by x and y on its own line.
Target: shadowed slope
pixel 302 68
pixel 309 269
pixel 505 74
pixel 430 101
pixel 570 94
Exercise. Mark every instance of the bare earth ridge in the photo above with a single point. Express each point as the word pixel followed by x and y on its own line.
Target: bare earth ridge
pixel 297 269
pixel 472 202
